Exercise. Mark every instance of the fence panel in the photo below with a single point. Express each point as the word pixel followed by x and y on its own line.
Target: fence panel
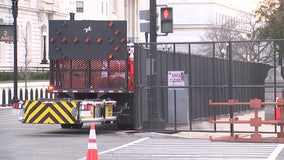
pixel 212 70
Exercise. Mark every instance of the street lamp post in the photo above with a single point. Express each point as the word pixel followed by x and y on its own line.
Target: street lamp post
pixel 44 61
pixel 72 16
pixel 72 9
pixel 15 99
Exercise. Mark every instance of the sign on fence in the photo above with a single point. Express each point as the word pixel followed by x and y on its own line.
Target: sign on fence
pixel 175 78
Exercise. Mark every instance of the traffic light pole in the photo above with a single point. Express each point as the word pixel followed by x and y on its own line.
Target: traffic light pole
pixel 154 121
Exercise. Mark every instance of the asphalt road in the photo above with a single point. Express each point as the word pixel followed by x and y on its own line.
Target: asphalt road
pixel 49 142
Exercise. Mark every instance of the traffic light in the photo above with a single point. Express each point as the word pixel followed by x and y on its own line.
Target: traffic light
pixel 167 20
pixel 85 40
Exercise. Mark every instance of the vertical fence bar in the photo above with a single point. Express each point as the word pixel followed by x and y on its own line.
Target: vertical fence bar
pixel 175 103
pixel 214 83
pixel 175 108
pixel 231 109
pixel 190 87
pixel 275 67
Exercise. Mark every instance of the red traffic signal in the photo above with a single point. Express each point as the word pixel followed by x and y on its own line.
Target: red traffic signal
pixel 167 20
pixel 166 13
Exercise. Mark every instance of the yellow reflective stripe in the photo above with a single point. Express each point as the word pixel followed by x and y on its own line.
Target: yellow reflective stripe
pixel 29 107
pixel 63 112
pixel 48 121
pixel 31 115
pixel 25 104
pixel 74 103
pixel 66 105
pixel 48 110
pixel 38 112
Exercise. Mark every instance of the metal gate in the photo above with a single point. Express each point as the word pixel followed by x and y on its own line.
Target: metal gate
pixel 211 70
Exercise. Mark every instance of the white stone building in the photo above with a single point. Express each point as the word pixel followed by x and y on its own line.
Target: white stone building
pixel 32 24
pixel 191 19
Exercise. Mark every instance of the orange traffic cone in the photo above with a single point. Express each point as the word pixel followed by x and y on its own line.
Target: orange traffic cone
pixel 92 153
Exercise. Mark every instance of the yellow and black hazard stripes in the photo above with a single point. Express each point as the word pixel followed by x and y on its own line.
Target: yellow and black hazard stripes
pixel 50 113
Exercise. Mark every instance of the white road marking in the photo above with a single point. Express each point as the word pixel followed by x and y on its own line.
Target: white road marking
pixel 276 152
pixel 120 147
pixel 125 145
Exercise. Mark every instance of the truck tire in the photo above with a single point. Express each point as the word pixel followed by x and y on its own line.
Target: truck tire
pixel 125 127
pixel 65 126
pixel 77 126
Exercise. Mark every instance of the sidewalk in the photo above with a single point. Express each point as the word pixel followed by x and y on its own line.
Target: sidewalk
pixel 21 85
pixel 6 107
pixel 243 130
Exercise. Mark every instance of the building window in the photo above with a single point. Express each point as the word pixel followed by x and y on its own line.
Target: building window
pixel 106 8
pixel 102 8
pixel 79 6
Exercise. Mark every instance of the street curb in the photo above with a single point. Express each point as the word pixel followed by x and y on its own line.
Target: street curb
pixel 9 107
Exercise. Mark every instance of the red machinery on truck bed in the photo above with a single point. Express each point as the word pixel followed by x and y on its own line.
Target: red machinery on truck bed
pixel 91 73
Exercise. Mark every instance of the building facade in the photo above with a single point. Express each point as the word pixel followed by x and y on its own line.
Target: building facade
pixel 32 26
pixel 191 20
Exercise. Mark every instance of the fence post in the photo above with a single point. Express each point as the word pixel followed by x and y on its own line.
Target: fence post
pixel 3 98
pixel 32 94
pixel 9 97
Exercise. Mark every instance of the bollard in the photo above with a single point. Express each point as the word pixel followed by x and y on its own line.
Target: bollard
pixel 21 94
pixel 3 98
pixel 26 94
pixel 46 93
pixel 41 93
pixel 36 94
pixel 9 97
pixel 31 94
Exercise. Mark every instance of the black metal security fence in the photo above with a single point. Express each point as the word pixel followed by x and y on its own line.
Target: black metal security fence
pixel 209 70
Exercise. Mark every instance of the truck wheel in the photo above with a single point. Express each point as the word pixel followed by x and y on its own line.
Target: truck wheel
pixel 77 126
pixel 65 126
pixel 125 126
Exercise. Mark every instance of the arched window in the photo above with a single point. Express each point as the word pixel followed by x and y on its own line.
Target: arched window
pixel 28 44
pixel 1 21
